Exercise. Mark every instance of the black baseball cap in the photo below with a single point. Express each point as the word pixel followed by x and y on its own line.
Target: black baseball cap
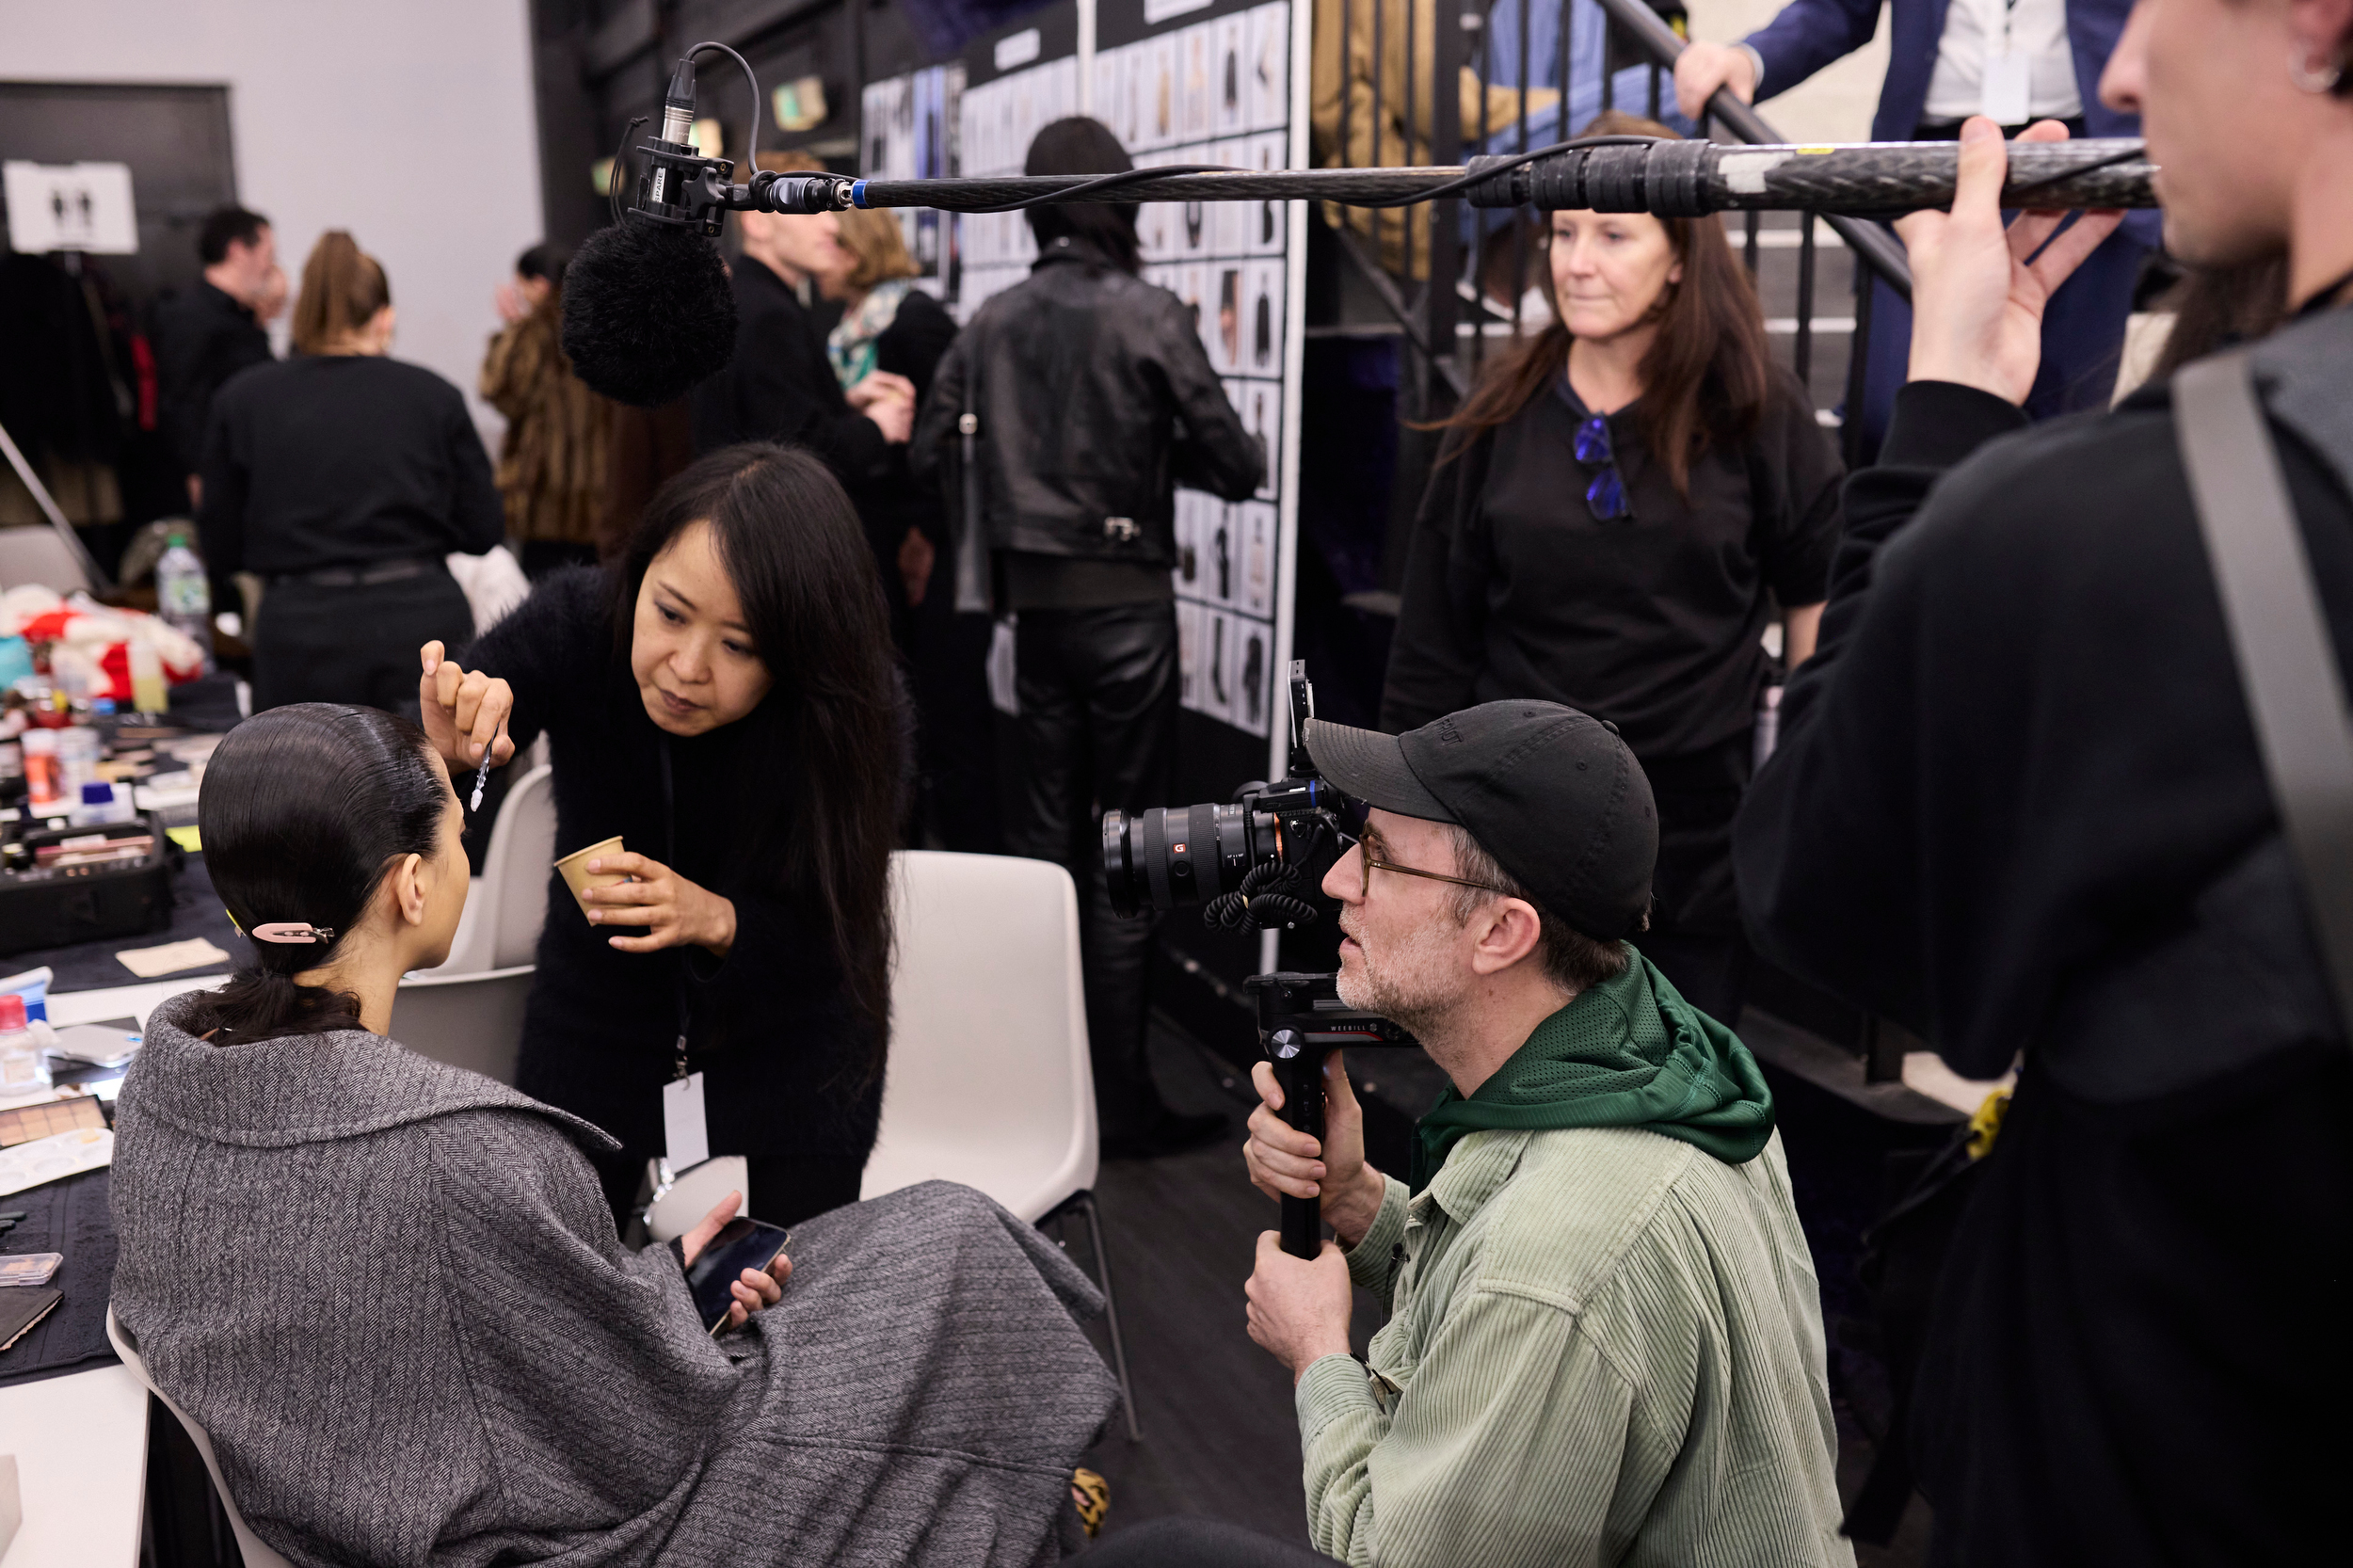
pixel 1552 794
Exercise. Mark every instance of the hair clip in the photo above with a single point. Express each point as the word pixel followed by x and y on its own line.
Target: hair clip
pixel 290 931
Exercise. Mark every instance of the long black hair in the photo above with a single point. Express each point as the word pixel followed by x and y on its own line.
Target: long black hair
pixel 793 546
pixel 304 811
pixel 1078 145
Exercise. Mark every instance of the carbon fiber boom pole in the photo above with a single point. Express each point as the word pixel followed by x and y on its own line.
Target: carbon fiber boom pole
pixel 1669 179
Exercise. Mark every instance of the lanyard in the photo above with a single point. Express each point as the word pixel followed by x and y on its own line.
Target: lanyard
pixel 678 972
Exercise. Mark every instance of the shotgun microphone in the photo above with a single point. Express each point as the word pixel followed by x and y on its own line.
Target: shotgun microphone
pixel 648 312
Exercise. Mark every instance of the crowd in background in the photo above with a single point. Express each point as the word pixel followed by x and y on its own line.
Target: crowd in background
pixel 766 610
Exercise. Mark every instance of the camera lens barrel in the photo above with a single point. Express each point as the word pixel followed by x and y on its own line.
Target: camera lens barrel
pixel 1168 857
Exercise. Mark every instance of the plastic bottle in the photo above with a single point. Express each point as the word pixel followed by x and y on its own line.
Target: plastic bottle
pixel 77 761
pixel 182 597
pixel 21 1072
pixel 147 678
pixel 42 774
pixel 102 802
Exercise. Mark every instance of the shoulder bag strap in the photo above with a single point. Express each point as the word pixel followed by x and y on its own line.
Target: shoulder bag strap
pixel 2286 662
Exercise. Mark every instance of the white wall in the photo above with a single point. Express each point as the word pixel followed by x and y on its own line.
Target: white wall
pixel 409 122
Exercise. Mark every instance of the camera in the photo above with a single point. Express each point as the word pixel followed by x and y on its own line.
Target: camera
pixel 1251 863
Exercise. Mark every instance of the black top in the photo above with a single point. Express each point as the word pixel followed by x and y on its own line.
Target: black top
pixel 780 386
pixel 342 459
pixel 893 503
pixel 1652 621
pixel 770 1023
pixel 202 338
pixel 2017 805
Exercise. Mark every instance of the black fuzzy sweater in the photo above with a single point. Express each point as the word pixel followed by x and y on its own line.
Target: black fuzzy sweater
pixel 786 1083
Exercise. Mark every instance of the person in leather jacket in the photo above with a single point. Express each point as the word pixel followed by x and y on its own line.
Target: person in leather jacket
pixel 1094 399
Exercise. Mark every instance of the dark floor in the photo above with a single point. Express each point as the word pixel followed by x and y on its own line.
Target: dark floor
pixel 1219 1437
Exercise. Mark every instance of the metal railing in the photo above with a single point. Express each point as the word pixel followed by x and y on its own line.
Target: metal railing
pixel 1438 278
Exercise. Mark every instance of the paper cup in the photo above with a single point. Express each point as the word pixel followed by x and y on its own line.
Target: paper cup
pixel 573 867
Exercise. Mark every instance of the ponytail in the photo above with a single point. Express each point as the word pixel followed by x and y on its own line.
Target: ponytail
pixel 304 810
pixel 343 288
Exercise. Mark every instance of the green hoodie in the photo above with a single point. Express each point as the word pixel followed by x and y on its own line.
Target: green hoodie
pixel 1629 1052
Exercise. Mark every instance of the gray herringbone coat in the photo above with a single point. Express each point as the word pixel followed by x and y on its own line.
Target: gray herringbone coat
pixel 391 1291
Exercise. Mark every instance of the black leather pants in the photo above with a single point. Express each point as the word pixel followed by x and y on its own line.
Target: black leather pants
pixel 1098 691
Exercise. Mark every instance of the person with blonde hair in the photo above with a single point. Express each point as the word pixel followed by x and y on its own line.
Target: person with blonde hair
pixel 343 477
pixel 889 324
pixel 778 385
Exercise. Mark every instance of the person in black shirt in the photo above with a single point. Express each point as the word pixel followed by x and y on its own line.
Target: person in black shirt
pixel 779 386
pixel 722 697
pixel 1612 520
pixel 2018 807
pixel 343 477
pixel 208 335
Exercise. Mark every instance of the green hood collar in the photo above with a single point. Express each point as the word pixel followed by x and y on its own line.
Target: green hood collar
pixel 1629 1052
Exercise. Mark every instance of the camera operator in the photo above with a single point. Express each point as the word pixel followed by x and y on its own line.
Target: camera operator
pixel 1604 1337
pixel 2018 806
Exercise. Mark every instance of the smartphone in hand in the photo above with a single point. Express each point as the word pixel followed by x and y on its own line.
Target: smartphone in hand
pixel 742 1243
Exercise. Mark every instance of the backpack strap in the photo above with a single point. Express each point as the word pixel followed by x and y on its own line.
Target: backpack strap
pixel 2286 662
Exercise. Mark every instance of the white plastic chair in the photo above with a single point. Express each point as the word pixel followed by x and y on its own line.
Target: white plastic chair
pixel 475 1021
pixel 256 1552
pixel 508 902
pixel 989 1081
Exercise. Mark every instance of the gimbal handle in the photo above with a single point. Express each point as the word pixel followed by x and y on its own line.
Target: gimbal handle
pixel 1301 1020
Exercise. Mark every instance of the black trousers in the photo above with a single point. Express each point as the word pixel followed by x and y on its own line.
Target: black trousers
pixel 1098 691
pixel 355 645
pixel 1191 1541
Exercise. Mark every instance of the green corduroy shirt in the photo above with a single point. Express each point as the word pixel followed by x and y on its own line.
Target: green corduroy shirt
pixel 1604 1346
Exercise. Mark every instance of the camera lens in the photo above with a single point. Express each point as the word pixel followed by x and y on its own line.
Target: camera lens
pixel 1172 856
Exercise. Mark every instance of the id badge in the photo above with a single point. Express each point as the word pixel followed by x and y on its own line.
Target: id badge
pixel 685 1136
pixel 2009 80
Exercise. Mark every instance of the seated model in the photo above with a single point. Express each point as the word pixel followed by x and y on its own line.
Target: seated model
pixel 391 1289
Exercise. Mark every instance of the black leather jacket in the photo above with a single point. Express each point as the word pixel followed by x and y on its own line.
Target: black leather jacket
pixel 1095 399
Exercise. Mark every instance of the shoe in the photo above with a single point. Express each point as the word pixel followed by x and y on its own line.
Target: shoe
pixel 1169 1134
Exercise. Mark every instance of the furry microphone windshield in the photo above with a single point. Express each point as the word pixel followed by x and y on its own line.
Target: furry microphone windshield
pixel 647 312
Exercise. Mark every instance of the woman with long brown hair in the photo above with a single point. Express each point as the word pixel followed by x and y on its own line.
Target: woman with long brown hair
pixel 343 477
pixel 723 697
pixel 1617 513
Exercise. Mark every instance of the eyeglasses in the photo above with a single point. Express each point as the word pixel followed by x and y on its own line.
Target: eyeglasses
pixel 1605 495
pixel 1370 865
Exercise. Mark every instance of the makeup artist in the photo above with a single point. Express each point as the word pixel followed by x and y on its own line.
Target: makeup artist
pixel 721 697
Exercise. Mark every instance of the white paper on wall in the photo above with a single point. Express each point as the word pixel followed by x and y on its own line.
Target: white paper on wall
pixel 1268 71
pixel 1252 643
pixel 85 207
pixel 1255 525
pixel 1229 87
